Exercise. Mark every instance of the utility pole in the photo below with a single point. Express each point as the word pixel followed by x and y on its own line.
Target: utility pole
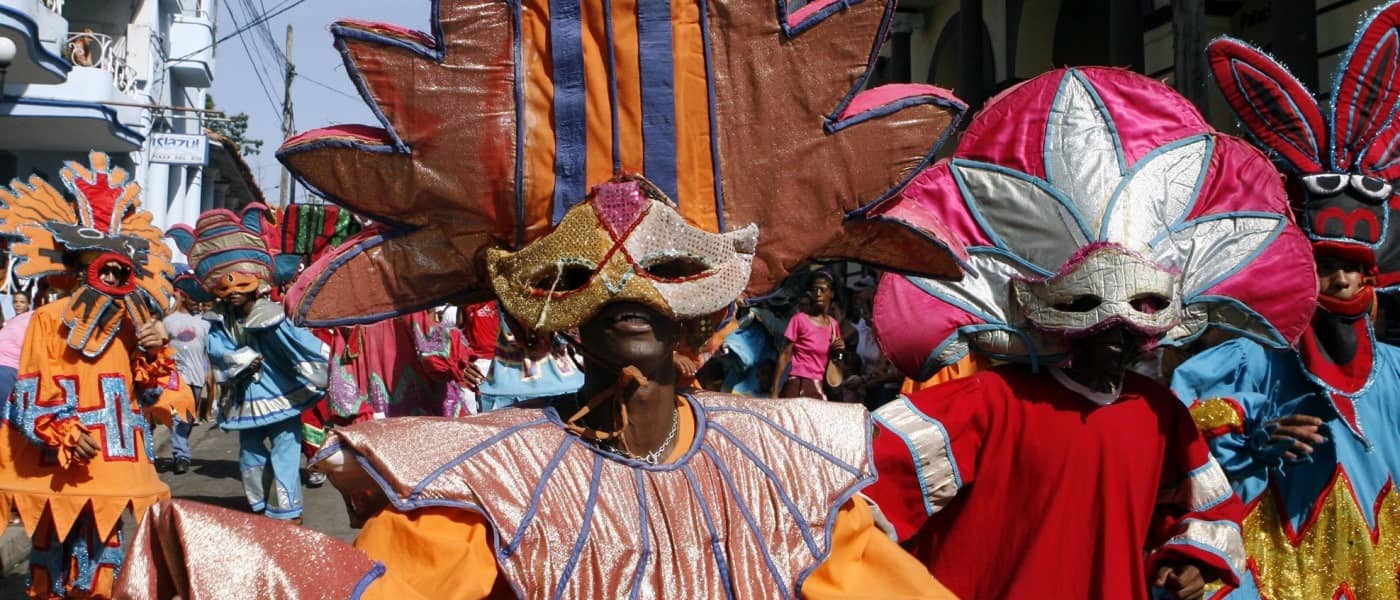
pixel 288 195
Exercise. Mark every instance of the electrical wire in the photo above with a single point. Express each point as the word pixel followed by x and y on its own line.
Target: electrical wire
pixel 298 75
pixel 273 13
pixel 257 70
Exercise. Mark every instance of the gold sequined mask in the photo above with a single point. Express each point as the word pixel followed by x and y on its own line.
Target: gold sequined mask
pixel 625 243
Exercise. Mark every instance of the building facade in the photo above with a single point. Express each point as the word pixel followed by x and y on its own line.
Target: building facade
pixel 118 76
pixel 1014 40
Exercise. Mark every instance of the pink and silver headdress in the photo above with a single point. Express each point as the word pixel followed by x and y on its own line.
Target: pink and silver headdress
pixel 1346 162
pixel 1089 198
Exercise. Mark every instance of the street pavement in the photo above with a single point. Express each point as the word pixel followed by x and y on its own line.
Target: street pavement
pixel 212 479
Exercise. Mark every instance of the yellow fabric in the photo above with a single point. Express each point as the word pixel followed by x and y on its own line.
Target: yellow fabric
pixel 969 365
pixel 440 553
pixel 446 553
pixel 38 479
pixel 866 563
pixel 695 184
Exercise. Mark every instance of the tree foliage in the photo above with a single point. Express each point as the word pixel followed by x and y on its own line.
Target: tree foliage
pixel 235 128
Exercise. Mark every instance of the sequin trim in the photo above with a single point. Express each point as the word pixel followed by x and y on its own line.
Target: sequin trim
pixel 1205 487
pixel 930 449
pixel 1218 416
pixel 1221 538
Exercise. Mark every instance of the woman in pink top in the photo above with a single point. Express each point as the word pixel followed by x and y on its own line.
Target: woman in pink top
pixel 812 335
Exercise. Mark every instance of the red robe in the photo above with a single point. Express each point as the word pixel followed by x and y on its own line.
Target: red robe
pixel 1008 485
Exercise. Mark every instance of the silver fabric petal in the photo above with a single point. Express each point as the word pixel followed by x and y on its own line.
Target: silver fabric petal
pixel 1022 216
pixel 1196 316
pixel 985 291
pixel 1158 194
pixel 953 351
pixel 1204 488
pixel 1208 250
pixel 1082 154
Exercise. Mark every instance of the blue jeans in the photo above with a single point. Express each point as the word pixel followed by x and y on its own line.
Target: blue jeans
pixel 275 491
pixel 180 438
pixel 8 376
pixel 180 431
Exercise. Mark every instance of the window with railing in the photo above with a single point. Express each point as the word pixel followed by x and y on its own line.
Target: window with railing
pixel 88 48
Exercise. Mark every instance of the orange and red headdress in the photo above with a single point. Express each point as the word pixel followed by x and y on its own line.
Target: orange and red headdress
pixel 100 226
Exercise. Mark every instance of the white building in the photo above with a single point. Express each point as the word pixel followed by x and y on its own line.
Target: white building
pixel 107 75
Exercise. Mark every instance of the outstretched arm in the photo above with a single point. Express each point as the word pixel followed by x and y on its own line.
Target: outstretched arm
pixel 1196 530
pixel 926 451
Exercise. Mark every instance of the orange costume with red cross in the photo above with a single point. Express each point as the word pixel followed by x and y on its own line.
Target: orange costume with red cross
pixel 83 378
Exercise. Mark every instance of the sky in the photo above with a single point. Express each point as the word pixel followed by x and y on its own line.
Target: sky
pixel 322 94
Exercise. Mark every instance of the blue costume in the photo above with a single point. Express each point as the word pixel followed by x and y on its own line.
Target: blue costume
pixel 1322 523
pixel 1343 492
pixel 272 369
pixel 266 403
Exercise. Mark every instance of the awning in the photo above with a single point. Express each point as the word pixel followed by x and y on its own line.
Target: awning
pixel 62 125
pixel 33 63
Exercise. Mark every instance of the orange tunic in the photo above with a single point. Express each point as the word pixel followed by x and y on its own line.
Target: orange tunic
pixel 447 553
pixel 176 398
pixel 60 394
pixel 970 365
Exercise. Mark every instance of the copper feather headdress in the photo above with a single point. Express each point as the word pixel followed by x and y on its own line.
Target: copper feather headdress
pixel 498 122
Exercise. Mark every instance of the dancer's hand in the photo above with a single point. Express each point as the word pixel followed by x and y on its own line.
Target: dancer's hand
pixel 1182 581
pixel 86 448
pixel 152 336
pixel 472 375
pixel 1303 430
pixel 685 367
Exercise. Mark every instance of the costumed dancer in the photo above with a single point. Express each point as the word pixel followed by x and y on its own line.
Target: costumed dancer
pixel 75 451
pixel 1103 216
pixel 274 368
pixel 632 486
pixel 1310 438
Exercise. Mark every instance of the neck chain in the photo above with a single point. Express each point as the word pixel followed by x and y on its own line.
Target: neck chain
pixel 653 457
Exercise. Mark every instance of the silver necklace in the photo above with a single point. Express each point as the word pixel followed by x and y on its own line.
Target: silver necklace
pixel 653 457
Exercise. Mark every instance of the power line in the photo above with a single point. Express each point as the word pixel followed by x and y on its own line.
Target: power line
pixel 267 32
pixel 257 69
pixel 263 40
pixel 258 42
pixel 275 12
pixel 328 87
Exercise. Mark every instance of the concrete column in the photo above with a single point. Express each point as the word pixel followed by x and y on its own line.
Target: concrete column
pixel 1125 46
pixel 1189 29
pixel 177 194
pixel 970 31
pixel 157 193
pixel 1294 26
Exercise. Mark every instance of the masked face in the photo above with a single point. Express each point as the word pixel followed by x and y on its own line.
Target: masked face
pixel 1110 286
pixel 625 243
pixel 111 274
pixel 1346 208
pixel 237 282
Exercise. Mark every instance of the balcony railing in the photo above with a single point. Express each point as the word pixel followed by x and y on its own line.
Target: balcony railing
pixel 54 5
pixel 91 49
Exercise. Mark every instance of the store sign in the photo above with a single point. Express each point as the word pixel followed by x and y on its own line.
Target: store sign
pixel 179 149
